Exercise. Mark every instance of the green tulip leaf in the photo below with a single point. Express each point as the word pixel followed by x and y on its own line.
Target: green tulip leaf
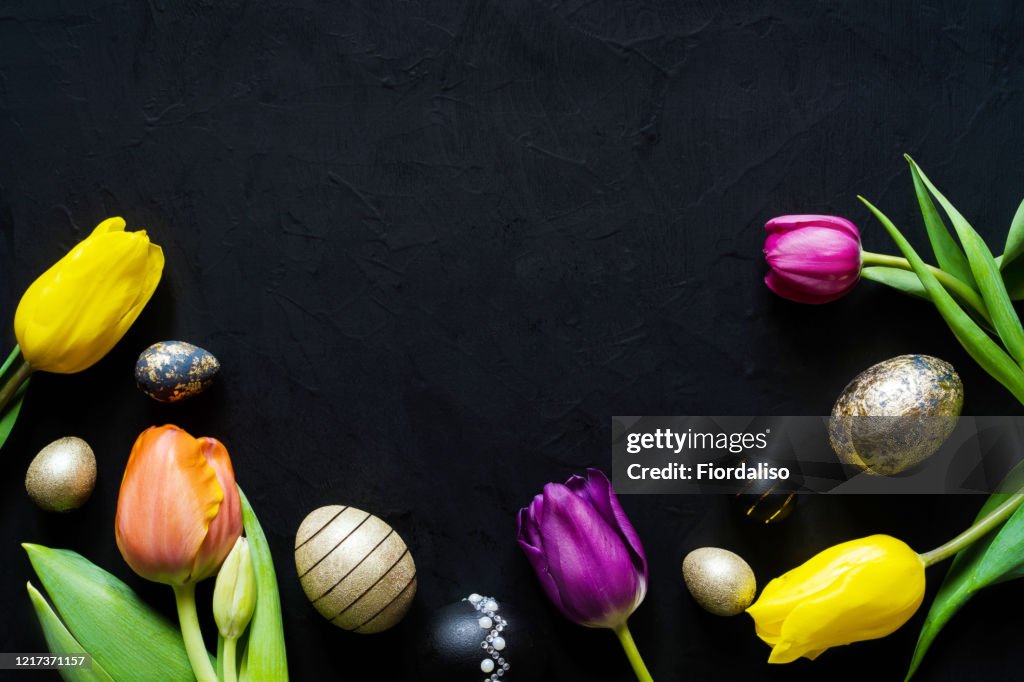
pixel 10 360
pixel 264 657
pixel 1003 558
pixel 243 668
pixel 907 282
pixel 975 564
pixel 126 637
pixel 1013 278
pixel 62 643
pixel 949 255
pixel 985 271
pixel 901 280
pixel 9 412
pixel 973 338
pixel 955 590
pixel 995 558
pixel 1014 239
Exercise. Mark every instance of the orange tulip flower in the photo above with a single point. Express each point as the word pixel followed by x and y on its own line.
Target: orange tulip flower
pixel 178 513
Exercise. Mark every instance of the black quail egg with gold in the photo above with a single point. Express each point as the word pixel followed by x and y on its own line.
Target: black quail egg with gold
pixel 170 371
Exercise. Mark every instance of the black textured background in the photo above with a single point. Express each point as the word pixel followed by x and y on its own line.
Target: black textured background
pixel 436 245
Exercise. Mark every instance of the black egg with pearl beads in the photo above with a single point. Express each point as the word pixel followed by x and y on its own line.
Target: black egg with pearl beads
pixel 479 638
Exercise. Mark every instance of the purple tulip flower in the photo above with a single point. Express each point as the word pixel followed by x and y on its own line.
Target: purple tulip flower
pixel 813 258
pixel 584 550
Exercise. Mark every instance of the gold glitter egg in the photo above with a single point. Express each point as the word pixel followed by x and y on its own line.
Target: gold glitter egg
pixel 720 580
pixel 913 402
pixel 62 475
pixel 354 568
pixel 170 371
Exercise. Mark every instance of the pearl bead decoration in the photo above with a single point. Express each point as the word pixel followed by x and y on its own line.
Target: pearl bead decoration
pixel 493 643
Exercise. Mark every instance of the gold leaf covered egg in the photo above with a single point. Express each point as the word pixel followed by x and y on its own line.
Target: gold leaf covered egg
pixel 354 568
pixel 62 475
pixel 896 414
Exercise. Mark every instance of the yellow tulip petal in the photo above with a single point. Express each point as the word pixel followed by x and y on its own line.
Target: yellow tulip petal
pixel 154 271
pixel 76 307
pixel 115 224
pixel 858 590
pixel 785 653
pixel 76 311
pixel 861 608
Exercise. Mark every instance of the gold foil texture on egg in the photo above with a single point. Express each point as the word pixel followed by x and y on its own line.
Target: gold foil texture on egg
pixel 896 414
pixel 171 371
pixel 354 568
pixel 61 477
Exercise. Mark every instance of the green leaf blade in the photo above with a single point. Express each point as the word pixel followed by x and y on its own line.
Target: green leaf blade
pixel 265 658
pixel 985 270
pixel 973 338
pixel 1014 238
pixel 1004 556
pixel 901 280
pixel 950 257
pixel 10 414
pixel 10 360
pixel 127 637
pixel 907 282
pixel 63 643
pixel 956 589
pixel 1013 278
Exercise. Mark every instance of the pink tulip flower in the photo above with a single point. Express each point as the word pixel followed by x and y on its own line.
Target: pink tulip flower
pixel 813 258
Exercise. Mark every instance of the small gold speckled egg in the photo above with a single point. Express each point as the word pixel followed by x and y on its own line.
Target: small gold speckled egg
pixel 62 475
pixel 913 402
pixel 720 580
pixel 170 371
pixel 354 568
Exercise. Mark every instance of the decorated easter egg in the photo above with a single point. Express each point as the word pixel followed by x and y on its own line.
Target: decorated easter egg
pixel 720 580
pixel 170 371
pixel 354 568
pixel 896 414
pixel 62 475
pixel 479 638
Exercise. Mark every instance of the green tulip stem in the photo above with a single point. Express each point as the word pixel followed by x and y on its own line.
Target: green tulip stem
pixel 185 596
pixel 951 283
pixel 20 374
pixel 632 653
pixel 975 532
pixel 230 666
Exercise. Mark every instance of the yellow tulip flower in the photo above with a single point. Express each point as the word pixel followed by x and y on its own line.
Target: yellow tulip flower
pixel 75 312
pixel 858 590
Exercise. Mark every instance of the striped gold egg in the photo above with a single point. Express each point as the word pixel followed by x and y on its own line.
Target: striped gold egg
pixel 354 568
